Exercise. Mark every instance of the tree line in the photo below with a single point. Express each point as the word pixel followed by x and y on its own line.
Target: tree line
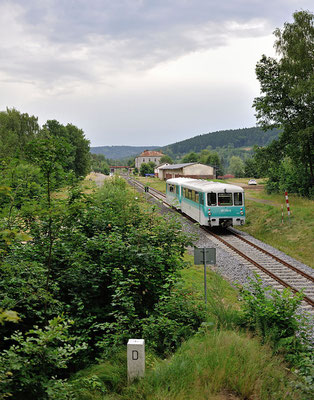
pixel 21 138
pixel 246 137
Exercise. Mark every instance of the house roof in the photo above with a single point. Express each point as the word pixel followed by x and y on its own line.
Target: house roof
pixel 177 166
pixel 151 153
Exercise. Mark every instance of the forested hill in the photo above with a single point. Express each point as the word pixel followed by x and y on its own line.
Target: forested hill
pixel 246 137
pixel 120 152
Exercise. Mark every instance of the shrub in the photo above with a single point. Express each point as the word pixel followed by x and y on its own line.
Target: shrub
pixel 29 365
pixel 175 318
pixel 270 312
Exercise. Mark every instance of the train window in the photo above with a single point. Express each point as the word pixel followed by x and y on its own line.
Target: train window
pixel 201 198
pixel 196 197
pixel 190 194
pixel 171 188
pixel 238 199
pixel 211 199
pixel 225 199
pixel 193 195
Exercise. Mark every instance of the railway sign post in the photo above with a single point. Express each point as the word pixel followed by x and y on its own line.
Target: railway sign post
pixel 203 256
pixel 288 205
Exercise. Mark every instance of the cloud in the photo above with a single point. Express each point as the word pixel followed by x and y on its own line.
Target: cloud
pixel 137 71
pixel 57 43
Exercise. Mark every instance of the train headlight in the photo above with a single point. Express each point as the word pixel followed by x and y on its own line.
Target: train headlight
pixel 241 212
pixel 209 212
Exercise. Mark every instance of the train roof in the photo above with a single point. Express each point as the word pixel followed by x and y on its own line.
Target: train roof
pixel 204 186
pixel 179 181
pixel 210 186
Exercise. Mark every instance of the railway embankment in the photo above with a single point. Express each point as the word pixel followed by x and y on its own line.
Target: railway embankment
pixel 221 361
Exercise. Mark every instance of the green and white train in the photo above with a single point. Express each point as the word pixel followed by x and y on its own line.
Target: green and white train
pixel 209 203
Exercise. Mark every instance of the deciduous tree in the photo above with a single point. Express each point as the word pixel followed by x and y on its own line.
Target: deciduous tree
pixel 287 91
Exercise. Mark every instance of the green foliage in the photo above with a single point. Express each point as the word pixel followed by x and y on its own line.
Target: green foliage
pixel 190 158
pixel 236 167
pixel 271 313
pixel 8 315
pixel 287 87
pixel 81 154
pixel 98 258
pixel 147 168
pixel 251 168
pixel 75 148
pixel 33 359
pixel 166 159
pixel 16 130
pixel 217 364
pixel 175 318
pixel 23 182
pixel 247 137
pixel 99 164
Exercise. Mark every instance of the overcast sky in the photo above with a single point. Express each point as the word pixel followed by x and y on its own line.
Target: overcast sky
pixel 137 72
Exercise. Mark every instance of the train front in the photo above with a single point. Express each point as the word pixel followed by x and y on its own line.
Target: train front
pixel 225 205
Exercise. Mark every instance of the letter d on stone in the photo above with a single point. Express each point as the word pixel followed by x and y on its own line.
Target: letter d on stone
pixel 136 358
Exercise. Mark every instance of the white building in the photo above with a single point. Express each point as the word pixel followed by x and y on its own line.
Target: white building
pixel 188 170
pixel 147 156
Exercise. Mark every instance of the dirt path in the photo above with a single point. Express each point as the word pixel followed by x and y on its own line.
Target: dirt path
pixel 97 178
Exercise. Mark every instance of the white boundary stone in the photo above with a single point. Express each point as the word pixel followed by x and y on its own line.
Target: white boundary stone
pixel 136 358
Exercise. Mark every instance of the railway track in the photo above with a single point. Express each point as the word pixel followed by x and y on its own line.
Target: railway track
pixel 272 269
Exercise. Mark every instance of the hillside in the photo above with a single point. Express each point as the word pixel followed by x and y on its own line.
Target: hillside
pixel 246 137
pixel 120 152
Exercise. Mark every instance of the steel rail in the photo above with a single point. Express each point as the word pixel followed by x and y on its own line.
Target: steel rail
pixel 265 270
pixel 307 276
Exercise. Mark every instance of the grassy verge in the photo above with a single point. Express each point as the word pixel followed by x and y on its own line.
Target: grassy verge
pixel 153 182
pixel 218 363
pixel 294 236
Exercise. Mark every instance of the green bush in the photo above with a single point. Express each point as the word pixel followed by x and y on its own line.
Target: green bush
pixel 175 318
pixel 271 313
pixel 34 359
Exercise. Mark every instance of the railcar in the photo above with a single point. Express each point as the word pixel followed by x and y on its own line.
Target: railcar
pixel 209 203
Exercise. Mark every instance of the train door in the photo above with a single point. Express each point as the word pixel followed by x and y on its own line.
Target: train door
pixel 200 206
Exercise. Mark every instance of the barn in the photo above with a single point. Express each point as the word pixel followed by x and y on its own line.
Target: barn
pixel 187 170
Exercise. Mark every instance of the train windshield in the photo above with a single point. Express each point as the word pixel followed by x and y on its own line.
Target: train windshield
pixel 238 199
pixel 211 199
pixel 225 199
pixel 171 188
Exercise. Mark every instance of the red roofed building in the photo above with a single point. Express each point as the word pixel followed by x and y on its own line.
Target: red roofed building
pixel 147 156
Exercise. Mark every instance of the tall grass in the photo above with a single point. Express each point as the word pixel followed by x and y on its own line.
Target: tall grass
pixel 219 363
pixel 215 365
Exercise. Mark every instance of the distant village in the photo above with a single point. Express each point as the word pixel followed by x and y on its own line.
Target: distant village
pixel 165 171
